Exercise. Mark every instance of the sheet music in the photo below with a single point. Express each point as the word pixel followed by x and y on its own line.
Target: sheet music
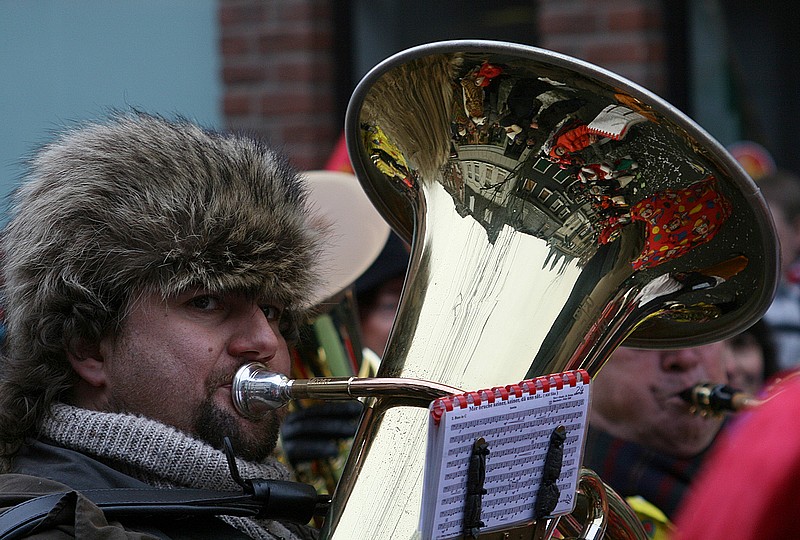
pixel 517 430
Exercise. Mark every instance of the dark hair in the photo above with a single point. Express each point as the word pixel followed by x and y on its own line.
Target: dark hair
pixel 761 334
pixel 392 262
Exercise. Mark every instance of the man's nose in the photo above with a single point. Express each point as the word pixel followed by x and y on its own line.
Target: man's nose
pixel 255 337
pixel 708 358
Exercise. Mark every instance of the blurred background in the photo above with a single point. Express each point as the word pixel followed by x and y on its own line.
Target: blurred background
pixel 285 69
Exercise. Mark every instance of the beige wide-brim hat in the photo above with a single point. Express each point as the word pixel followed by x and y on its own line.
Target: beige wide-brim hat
pixel 356 232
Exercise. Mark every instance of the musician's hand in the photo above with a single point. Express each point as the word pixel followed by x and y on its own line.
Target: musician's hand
pixel 315 432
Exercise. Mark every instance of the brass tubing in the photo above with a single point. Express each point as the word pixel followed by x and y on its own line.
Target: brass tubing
pixel 414 392
pixel 256 390
pixel 593 507
pixel 600 512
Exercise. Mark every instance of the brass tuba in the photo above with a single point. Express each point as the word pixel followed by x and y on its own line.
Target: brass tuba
pixel 554 210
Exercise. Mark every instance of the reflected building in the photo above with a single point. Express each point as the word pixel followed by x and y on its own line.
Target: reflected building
pixel 532 194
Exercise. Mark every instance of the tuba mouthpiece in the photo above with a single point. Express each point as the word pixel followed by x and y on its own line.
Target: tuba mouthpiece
pixel 256 391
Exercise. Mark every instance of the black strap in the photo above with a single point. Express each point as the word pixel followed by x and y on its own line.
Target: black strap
pixel 268 499
pixel 120 503
pixel 18 521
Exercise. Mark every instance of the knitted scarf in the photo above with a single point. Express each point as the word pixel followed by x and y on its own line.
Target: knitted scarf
pixel 162 456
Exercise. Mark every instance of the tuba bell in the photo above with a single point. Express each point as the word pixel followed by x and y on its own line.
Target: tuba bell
pixel 554 209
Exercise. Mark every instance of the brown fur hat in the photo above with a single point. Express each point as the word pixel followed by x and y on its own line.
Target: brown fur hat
pixel 143 204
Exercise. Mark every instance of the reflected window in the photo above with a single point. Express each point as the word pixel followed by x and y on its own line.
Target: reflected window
pixel 562 176
pixel 541 165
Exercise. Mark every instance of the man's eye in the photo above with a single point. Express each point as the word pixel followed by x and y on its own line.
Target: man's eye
pixel 205 302
pixel 272 313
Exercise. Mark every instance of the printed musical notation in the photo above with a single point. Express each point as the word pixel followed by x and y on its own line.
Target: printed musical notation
pixel 516 421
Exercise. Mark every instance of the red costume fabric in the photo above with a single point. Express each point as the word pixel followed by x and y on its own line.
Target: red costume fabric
pixel 748 488
pixel 486 73
pixel 573 139
pixel 679 220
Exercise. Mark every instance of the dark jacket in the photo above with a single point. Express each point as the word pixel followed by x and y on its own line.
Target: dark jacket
pixel 634 470
pixel 43 468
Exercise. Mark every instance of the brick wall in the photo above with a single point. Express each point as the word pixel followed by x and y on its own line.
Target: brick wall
pixel 278 63
pixel 624 36
pixel 278 74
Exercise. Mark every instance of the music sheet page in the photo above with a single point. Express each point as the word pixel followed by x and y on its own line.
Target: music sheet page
pixel 518 431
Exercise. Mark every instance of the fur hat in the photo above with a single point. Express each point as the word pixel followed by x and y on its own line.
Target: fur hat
pixel 141 204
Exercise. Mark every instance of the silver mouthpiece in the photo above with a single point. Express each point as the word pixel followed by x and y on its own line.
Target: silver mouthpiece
pixel 256 391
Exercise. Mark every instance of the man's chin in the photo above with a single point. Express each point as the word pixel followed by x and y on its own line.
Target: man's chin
pixel 695 438
pixel 251 440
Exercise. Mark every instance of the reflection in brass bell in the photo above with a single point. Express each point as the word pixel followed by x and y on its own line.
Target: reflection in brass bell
pixel 554 210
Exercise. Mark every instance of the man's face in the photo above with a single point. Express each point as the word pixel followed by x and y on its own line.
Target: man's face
pixel 635 397
pixel 174 362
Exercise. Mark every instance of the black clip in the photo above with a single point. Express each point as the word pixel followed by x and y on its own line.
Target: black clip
pixel 548 494
pixel 476 475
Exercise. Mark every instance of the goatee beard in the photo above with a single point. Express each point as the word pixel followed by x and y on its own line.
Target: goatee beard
pixel 212 424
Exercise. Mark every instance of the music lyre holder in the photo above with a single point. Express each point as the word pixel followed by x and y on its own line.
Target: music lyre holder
pixel 476 476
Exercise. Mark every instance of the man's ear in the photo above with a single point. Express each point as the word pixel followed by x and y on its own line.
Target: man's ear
pixel 87 361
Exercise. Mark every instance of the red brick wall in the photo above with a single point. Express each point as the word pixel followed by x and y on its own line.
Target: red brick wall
pixel 624 36
pixel 278 65
pixel 278 76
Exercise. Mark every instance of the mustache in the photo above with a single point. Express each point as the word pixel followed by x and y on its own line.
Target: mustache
pixel 224 377
pixel 219 378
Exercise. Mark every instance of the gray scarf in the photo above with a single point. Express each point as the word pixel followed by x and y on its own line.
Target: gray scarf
pixel 161 456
